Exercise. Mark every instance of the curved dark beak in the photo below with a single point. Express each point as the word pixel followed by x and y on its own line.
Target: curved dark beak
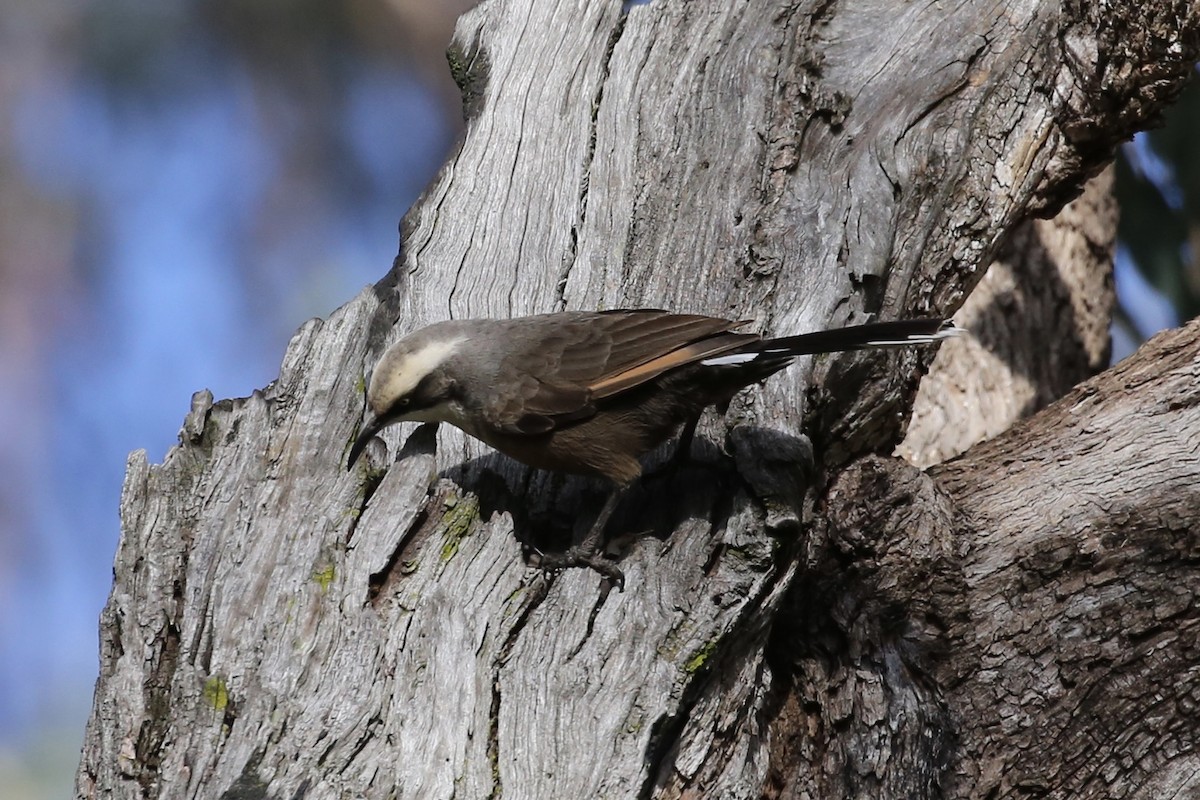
pixel 368 432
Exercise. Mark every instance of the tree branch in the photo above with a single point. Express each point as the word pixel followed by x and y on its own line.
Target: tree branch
pixel 282 628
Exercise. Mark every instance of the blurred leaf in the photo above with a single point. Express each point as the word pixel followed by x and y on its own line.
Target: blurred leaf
pixel 1158 187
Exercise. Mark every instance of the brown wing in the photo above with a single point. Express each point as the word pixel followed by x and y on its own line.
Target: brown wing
pixel 634 339
pixel 576 358
pixel 690 353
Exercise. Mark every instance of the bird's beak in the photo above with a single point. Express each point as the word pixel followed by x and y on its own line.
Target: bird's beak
pixel 373 426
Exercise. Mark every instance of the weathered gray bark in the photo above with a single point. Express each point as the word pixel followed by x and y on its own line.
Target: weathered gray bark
pixel 280 628
pixel 1051 283
pixel 1023 618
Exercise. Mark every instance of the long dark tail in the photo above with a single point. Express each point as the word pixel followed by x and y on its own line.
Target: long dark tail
pixel 902 333
pixel 775 353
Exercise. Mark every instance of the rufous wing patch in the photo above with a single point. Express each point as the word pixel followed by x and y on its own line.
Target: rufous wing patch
pixel 607 343
pixel 688 354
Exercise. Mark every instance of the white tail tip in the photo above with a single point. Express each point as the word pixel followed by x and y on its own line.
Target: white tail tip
pixel 947 331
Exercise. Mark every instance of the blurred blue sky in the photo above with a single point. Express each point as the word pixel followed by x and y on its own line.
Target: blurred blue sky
pixel 163 306
pixel 176 198
pixel 180 210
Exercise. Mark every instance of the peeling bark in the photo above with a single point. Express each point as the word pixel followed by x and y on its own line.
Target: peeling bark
pixel 802 619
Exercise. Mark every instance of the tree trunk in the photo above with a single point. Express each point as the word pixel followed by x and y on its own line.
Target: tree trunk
pixel 801 618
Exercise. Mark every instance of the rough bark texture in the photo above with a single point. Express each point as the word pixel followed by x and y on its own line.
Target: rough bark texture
pixel 1022 620
pixel 280 628
pixel 1039 324
pixel 1076 637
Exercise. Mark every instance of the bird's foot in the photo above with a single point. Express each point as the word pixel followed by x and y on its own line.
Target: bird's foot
pixel 579 556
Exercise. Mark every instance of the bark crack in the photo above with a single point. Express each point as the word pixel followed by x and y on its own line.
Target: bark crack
pixel 378 580
pixel 948 94
pixel 372 727
pixel 668 729
pixel 601 599
pixel 371 481
pixel 152 733
pixel 589 156
pixel 537 595
pixel 157 687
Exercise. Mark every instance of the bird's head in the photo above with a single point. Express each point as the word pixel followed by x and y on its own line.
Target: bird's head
pixel 412 382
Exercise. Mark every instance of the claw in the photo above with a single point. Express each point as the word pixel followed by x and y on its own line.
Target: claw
pixel 583 557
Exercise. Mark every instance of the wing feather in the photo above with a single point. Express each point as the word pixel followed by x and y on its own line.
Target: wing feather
pixel 688 354
pixel 582 357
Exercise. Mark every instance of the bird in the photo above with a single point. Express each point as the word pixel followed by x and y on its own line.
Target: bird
pixel 591 392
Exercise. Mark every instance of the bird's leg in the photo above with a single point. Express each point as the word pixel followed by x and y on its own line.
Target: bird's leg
pixel 588 552
pixel 683 447
pixel 687 436
pixel 680 456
